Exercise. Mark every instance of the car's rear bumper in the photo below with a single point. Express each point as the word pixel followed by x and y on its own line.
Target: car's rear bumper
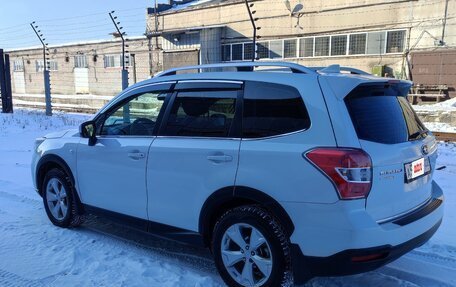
pixel 342 239
pixel 353 261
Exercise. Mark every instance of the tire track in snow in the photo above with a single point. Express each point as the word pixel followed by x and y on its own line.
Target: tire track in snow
pixel 95 233
pixel 424 269
pixel 22 199
pixel 102 227
pixel 8 279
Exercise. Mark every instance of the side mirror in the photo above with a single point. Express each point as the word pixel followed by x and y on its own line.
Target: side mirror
pixel 88 130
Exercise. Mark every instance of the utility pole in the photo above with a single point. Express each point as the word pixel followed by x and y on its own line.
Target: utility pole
pixel 47 83
pixel 121 35
pixel 255 28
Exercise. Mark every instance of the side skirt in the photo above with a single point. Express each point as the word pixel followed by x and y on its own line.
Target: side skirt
pixel 158 229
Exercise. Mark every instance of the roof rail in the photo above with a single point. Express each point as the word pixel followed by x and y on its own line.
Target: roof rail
pixel 295 68
pixel 337 69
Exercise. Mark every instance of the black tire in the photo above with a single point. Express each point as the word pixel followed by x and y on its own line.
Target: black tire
pixel 273 232
pixel 73 218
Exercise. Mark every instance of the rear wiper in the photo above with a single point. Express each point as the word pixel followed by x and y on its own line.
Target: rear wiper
pixel 417 134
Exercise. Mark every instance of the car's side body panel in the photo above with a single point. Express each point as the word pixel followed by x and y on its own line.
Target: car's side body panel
pixel 111 174
pixel 181 176
pixel 63 147
pixel 285 174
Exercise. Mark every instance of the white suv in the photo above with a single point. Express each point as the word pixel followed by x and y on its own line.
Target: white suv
pixel 283 175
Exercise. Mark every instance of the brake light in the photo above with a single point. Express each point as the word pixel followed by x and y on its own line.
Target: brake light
pixel 349 169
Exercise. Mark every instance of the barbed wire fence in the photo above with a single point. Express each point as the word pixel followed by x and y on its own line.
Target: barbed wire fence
pixel 85 74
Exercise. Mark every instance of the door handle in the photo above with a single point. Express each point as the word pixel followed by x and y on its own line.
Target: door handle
pixel 136 155
pixel 220 158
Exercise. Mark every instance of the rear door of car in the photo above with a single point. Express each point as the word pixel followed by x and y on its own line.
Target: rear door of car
pixel 195 152
pixel 403 152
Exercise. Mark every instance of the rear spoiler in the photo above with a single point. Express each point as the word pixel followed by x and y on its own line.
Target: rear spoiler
pixel 342 85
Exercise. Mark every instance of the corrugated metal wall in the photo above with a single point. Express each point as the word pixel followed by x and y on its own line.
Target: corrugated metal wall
pixel 435 68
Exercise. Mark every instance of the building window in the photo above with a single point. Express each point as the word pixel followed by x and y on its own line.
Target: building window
pixel 375 43
pixel 39 64
pixel 395 41
pixel 248 51
pixel 226 53
pixel 80 61
pixel 236 52
pixel 262 50
pixel 321 46
pixel 111 61
pixel 276 49
pixel 52 65
pixel 289 48
pixel 115 61
pixel 306 46
pixel 357 44
pixel 367 43
pixel 18 65
pixel 338 45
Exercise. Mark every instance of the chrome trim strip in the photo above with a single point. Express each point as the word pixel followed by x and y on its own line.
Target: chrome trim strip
pixel 200 138
pixel 122 136
pixel 276 136
pixel 211 81
pixel 405 213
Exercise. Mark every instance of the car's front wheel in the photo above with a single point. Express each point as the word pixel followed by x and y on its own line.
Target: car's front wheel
pixel 59 199
pixel 251 248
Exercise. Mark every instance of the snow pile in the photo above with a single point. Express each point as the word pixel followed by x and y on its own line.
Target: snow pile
pixel 35 121
pixel 440 127
pixel 33 252
pixel 448 105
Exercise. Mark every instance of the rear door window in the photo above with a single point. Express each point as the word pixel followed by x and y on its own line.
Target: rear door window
pixel 380 114
pixel 271 110
pixel 202 114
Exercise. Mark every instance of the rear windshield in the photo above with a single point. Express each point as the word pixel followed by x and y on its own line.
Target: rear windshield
pixel 381 114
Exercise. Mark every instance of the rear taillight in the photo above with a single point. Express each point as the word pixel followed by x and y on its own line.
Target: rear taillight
pixel 349 169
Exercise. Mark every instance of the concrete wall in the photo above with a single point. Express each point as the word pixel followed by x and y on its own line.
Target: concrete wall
pixel 102 80
pixel 422 21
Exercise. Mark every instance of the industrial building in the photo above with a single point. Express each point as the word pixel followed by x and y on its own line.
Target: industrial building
pixel 414 39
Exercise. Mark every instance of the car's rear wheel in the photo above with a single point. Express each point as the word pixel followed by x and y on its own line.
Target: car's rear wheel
pixel 251 249
pixel 59 199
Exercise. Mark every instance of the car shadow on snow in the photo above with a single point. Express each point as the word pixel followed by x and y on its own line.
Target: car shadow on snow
pixel 200 259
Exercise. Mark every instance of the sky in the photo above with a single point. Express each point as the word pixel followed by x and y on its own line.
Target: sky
pixel 63 21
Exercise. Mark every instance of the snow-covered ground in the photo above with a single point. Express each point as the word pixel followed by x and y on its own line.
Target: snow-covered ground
pixel 445 109
pixel 448 105
pixel 33 252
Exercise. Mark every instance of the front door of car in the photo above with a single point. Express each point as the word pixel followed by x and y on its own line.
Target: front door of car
pixel 195 153
pixel 112 173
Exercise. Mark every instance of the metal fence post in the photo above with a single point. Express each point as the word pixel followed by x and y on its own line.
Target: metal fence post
pixel 124 79
pixel 254 27
pixel 47 83
pixel 5 83
pixel 126 108
pixel 9 92
pixel 47 92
